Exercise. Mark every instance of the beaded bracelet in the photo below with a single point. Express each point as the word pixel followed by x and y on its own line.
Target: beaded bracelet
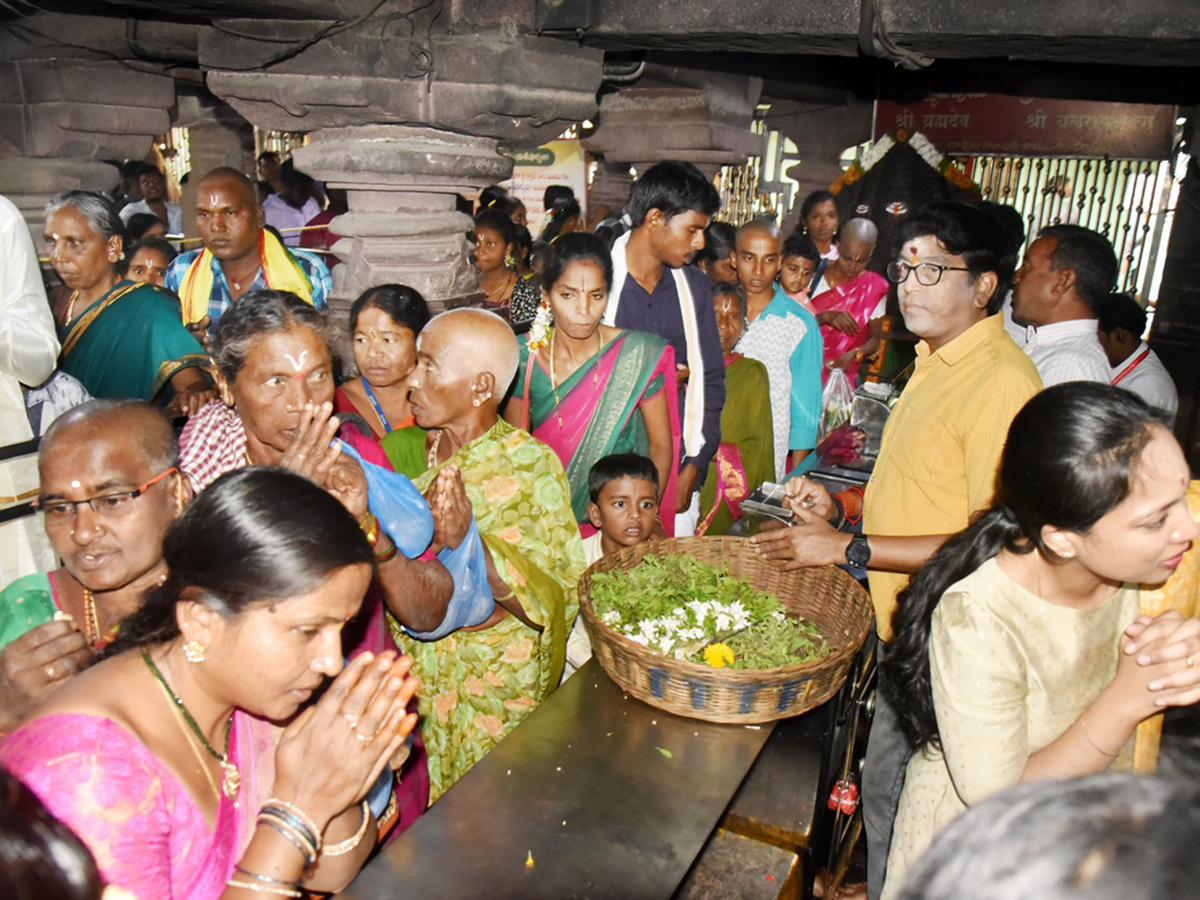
pixel 341 849
pixel 263 888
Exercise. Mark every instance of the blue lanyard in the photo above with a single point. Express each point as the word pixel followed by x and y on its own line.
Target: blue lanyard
pixel 375 403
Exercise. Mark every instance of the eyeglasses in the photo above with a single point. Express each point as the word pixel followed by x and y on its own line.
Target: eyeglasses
pixel 111 506
pixel 928 274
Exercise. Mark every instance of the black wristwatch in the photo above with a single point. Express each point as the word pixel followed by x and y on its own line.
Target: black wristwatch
pixel 858 551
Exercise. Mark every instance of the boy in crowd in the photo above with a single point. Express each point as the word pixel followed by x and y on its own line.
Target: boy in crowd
pixel 624 501
pixel 800 260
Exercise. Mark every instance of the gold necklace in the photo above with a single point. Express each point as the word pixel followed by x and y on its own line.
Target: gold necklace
pixel 191 742
pixel 71 307
pixel 431 457
pixel 91 621
pixel 554 376
pixel 231 778
pixel 487 295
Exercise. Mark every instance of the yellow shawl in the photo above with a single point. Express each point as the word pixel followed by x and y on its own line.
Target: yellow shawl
pixel 280 270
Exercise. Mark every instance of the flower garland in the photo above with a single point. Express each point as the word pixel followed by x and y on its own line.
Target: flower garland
pixel 539 331
pixel 944 165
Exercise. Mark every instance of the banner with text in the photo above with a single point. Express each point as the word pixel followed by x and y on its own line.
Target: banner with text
pixel 536 168
pixel 980 124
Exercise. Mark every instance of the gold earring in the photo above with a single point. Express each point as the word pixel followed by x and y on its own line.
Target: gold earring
pixel 179 493
pixel 193 652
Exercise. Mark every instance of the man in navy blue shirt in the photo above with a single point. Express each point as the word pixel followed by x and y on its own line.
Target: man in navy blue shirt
pixel 656 289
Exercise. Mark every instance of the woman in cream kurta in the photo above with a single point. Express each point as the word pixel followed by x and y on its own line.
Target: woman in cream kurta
pixel 1010 673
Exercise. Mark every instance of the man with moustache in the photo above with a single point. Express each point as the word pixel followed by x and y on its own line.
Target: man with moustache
pixel 239 256
pixel 939 455
pixel 655 289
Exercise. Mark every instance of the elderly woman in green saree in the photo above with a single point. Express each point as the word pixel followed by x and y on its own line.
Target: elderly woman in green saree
pixel 479 682
pixel 589 390
pixel 746 455
pixel 122 338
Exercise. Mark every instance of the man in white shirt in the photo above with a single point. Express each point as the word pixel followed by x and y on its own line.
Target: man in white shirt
pixel 28 352
pixel 1065 276
pixel 1135 367
pixel 154 201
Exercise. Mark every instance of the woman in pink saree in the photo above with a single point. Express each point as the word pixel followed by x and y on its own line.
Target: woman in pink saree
pixel 180 759
pixel 588 390
pixel 850 302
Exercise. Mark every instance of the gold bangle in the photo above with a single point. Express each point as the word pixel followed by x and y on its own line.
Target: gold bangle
pixel 509 596
pixel 350 843
pixel 262 888
pixel 1083 727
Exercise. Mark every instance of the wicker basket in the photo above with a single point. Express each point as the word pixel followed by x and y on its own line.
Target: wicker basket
pixel 827 597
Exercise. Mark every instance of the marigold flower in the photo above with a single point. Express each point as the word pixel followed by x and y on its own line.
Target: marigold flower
pixel 718 655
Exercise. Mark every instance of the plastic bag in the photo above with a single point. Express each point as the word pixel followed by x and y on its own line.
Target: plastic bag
pixel 472 601
pixel 395 501
pixel 404 515
pixel 837 400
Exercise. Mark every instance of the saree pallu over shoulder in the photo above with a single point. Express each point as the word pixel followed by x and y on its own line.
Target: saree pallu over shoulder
pixel 129 343
pixel 596 411
pixel 140 823
pixel 478 685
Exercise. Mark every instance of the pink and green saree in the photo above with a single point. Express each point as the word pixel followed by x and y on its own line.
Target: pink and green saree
pixel 594 412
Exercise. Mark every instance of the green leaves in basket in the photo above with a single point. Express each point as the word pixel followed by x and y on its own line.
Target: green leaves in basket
pixel 680 606
pixel 776 641
pixel 659 585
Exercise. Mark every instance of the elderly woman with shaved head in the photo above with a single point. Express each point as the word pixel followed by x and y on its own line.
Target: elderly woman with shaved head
pixel 479 683
pixel 850 301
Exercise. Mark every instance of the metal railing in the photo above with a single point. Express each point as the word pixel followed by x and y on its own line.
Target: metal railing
pixel 1128 201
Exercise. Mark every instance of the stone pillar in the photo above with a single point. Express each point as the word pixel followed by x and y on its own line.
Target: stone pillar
pixel 405 120
pixel 609 190
pixel 671 113
pixel 821 131
pixel 58 117
pixel 402 225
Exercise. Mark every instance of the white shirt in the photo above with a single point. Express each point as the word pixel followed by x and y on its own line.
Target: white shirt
pixel 1149 379
pixel 772 340
pixel 174 215
pixel 1067 351
pixel 28 354
pixel 279 215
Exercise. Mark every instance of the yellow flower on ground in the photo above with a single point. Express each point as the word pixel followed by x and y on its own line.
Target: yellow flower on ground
pixel 718 655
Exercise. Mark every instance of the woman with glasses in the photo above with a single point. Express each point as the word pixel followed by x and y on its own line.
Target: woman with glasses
pixel 850 301
pixel 110 489
pixel 203 756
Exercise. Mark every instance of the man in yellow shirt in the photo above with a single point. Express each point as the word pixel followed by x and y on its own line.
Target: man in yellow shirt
pixel 941 448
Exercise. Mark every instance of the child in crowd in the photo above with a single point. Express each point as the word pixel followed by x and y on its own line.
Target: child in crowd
pixel 623 488
pixel 716 259
pixel 800 260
